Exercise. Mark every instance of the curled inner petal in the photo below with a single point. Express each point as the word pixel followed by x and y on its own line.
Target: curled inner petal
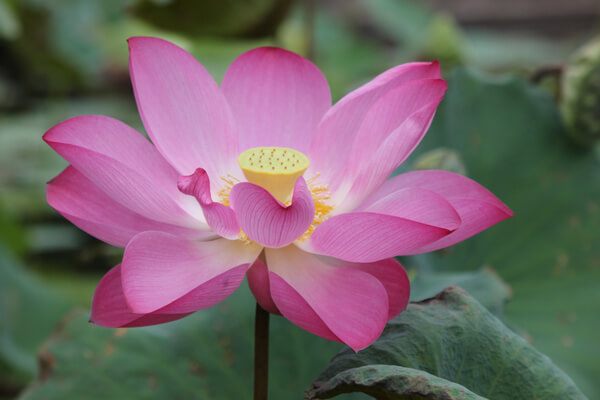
pixel 266 220
pixel 219 217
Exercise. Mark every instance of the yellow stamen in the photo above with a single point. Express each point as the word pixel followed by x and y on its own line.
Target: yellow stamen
pixel 275 169
pixel 319 193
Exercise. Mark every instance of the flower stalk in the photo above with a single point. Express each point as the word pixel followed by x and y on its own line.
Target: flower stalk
pixel 261 354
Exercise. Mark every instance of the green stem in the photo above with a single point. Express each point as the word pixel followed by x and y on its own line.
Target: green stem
pixel 261 354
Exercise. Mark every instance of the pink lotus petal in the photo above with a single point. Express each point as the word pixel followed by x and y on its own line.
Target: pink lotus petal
pixel 182 108
pixel 393 277
pixel 258 281
pixel 389 112
pixel 387 225
pixel 391 130
pixel 368 237
pixel 416 204
pixel 268 222
pixel 337 131
pixel 109 308
pixel 160 268
pixel 297 310
pixel 125 166
pixel 346 304
pixel 80 201
pixel 208 294
pixel 277 98
pixel 478 207
pixel 219 217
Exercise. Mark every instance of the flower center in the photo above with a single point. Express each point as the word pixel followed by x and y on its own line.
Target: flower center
pixel 275 169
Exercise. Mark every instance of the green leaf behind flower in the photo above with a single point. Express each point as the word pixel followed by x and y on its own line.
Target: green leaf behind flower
pixel 28 313
pixel 511 138
pixel 205 356
pixel 439 344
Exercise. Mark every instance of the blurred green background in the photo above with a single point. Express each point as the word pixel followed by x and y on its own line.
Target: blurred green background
pixel 521 116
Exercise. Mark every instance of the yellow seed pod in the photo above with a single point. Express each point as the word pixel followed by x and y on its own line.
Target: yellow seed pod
pixel 275 169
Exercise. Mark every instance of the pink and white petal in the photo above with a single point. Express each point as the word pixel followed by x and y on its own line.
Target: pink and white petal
pixel 344 304
pixel 219 217
pixel 389 112
pixel 277 98
pixel 394 278
pixel 209 293
pixel 80 201
pixel 160 268
pixel 368 237
pixel 125 166
pixel 182 107
pixel 339 126
pixel 363 178
pixel 110 310
pixel 267 221
pixel 297 309
pixel 258 281
pixel 478 207
pixel 416 204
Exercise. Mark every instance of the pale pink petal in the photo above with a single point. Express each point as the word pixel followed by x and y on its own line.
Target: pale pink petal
pixel 219 217
pixel 331 146
pixel 209 293
pixel 416 204
pixel 277 98
pixel 258 281
pixel 397 223
pixel 109 308
pixel 391 130
pixel 368 237
pixel 478 207
pixel 182 108
pixel 80 201
pixel 344 304
pixel 297 310
pixel 389 112
pixel 160 268
pixel 125 166
pixel 268 222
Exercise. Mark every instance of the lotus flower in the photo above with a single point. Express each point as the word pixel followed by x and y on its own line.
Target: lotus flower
pixel 263 163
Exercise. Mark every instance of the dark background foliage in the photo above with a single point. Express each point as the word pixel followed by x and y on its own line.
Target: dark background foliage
pixel 521 116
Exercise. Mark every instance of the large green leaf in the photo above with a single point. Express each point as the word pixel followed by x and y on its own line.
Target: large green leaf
pixel 453 337
pixel 393 382
pixel 484 285
pixel 205 356
pixel 28 314
pixel 510 136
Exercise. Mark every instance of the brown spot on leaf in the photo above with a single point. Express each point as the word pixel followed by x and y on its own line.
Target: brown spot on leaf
pixel 46 362
pixel 574 221
pixel 561 176
pixel 87 353
pixel 196 369
pixel 109 349
pixel 120 332
pixel 567 341
pixel 592 207
pixel 567 318
pixel 225 344
pixel 475 139
pixel 527 336
pixel 562 261
pixel 152 381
